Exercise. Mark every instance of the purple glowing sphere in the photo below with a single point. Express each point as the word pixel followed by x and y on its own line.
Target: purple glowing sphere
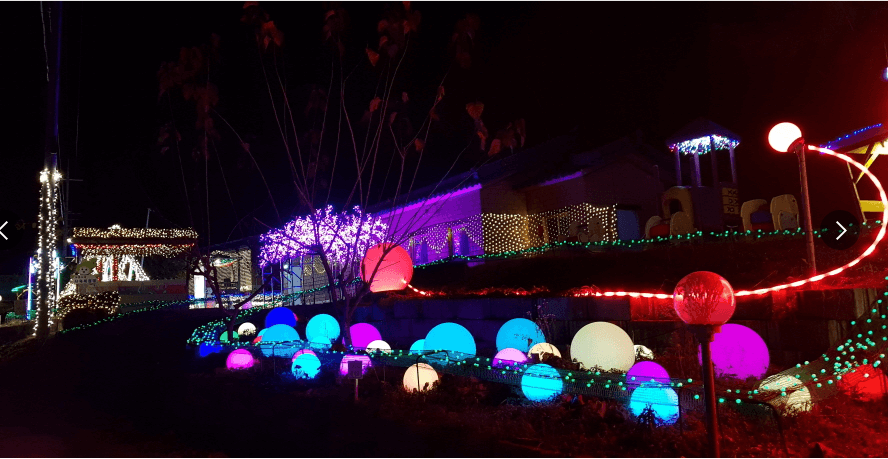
pixel 304 351
pixel 240 359
pixel 509 357
pixel 738 352
pixel 363 334
pixel 645 372
pixel 365 363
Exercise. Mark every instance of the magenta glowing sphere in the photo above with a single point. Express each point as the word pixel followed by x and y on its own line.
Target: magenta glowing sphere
pixel 304 351
pixel 645 372
pixel 240 359
pixel 363 334
pixel 509 357
pixel 247 305
pixel 704 298
pixel 394 270
pixel 738 352
pixel 365 363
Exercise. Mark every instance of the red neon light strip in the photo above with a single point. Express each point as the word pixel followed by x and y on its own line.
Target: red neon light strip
pixel 775 288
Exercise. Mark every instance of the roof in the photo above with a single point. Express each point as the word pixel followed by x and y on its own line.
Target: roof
pixel 864 136
pixel 700 127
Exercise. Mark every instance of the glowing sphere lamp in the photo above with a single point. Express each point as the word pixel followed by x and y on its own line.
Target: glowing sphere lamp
pixel 279 333
pixel 642 352
pixel 280 315
pixel 417 347
pixel 541 350
pixel 782 136
pixel 420 377
pixel 206 349
pixel 519 334
pixel 379 346
pixel 365 363
pixel 363 334
pixel 389 271
pixel 304 351
pixel 224 336
pixel 450 337
pixel 704 300
pixel 797 398
pixel 246 329
pixel 239 359
pixel 646 372
pixel 738 352
pixel 306 366
pixel 603 345
pixel 509 357
pixel 322 328
pixel 541 383
pixel 663 401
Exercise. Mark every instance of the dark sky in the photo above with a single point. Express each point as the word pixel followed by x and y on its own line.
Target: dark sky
pixel 605 69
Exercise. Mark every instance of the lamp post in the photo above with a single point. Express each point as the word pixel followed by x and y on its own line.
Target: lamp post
pixel 787 137
pixel 705 301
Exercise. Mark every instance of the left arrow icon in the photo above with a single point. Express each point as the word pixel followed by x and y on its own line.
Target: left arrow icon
pixel 1 232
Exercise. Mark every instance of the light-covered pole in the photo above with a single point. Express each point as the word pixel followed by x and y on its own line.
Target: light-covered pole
pixel 705 301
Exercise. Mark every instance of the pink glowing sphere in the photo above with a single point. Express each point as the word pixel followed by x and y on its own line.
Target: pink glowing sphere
pixel 363 334
pixel 304 351
pixel 247 305
pixel 738 352
pixel 704 298
pixel 365 363
pixel 394 270
pixel 240 359
pixel 646 372
pixel 509 357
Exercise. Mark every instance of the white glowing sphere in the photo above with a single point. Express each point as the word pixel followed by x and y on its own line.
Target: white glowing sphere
pixel 642 352
pixel 542 349
pixel 379 345
pixel 246 329
pixel 420 377
pixel 783 135
pixel 604 346
pixel 797 398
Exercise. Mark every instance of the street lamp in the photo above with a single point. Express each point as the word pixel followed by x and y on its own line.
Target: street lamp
pixel 705 301
pixel 787 137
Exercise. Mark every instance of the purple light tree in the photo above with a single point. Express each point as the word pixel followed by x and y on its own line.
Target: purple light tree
pixel 339 239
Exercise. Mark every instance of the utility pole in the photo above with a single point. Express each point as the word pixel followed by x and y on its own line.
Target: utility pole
pixel 48 239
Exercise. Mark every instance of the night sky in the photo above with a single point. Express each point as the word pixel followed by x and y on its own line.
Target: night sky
pixel 603 69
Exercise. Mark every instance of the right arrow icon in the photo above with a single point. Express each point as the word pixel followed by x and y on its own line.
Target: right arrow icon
pixel 843 230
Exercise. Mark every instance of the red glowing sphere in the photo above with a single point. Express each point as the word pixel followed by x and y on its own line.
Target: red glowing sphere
pixel 704 298
pixel 394 270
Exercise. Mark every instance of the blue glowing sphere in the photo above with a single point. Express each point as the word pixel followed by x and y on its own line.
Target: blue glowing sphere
pixel 450 337
pixel 306 366
pixel 206 349
pixel 662 400
pixel 279 333
pixel 322 329
pixel 519 334
pixel 645 372
pixel 541 383
pixel 417 347
pixel 280 315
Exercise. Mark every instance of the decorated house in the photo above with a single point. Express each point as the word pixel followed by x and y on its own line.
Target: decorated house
pixel 556 191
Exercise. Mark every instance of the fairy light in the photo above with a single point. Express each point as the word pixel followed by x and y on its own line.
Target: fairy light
pixel 701 145
pixel 46 248
pixel 105 301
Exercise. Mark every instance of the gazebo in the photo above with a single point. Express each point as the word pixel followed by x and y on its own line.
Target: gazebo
pixel 717 203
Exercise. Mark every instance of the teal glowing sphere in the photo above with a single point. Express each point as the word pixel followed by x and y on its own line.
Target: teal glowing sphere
pixel 663 401
pixel 322 329
pixel 417 347
pixel 224 336
pixel 280 315
pixel 306 366
pixel 519 334
pixel 450 337
pixel 279 334
pixel 541 383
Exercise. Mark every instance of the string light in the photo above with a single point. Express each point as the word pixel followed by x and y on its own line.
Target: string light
pixel 701 145
pixel 116 232
pixel 105 301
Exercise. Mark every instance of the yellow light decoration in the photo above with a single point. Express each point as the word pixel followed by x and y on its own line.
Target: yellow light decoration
pixel 107 301
pixel 116 232
pixel 164 250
